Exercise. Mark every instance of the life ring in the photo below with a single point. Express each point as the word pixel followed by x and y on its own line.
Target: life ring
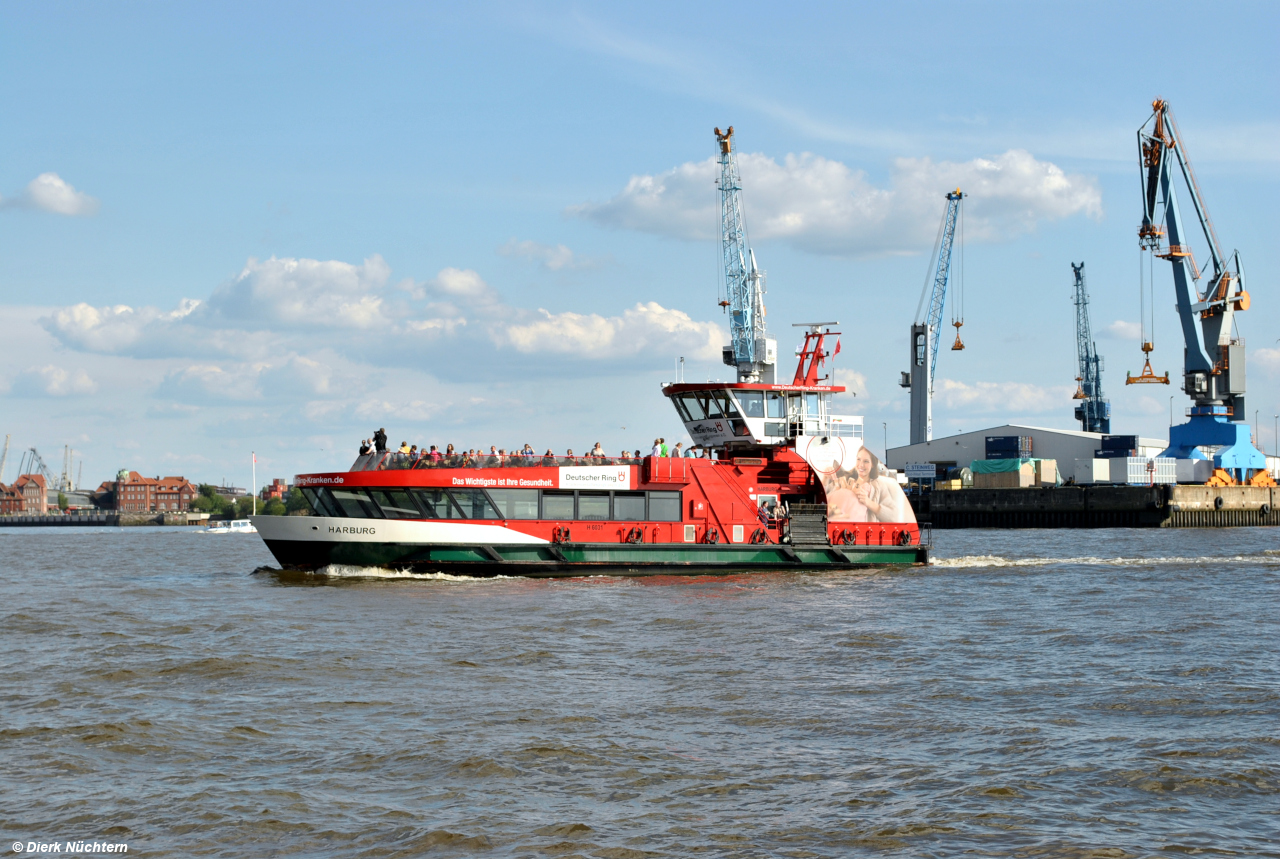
pixel 712 536
pixel 1218 502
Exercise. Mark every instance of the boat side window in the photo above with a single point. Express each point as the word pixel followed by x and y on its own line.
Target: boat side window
pixel 396 504
pixel 693 408
pixel 435 504
pixel 356 504
pixel 775 405
pixel 628 506
pixel 752 403
pixel 474 503
pixel 516 503
pixel 811 405
pixel 557 505
pixel 726 404
pixel 795 405
pixel 709 404
pixel 593 505
pixel 322 502
pixel 664 507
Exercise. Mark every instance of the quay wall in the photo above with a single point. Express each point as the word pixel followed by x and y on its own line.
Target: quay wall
pixel 99 519
pixel 1101 506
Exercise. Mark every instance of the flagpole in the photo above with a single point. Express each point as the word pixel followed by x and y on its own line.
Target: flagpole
pixel 255 482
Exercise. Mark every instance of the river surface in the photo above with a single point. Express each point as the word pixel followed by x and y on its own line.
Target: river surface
pixel 1108 693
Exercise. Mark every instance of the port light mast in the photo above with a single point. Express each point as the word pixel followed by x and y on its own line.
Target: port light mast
pixel 1213 364
pixel 924 333
pixel 751 352
pixel 1094 412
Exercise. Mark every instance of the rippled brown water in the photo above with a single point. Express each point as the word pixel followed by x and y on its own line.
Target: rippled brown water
pixel 1034 693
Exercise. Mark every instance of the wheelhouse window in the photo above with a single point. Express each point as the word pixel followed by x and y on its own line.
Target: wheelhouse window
pixel 775 405
pixel 752 403
pixel 321 502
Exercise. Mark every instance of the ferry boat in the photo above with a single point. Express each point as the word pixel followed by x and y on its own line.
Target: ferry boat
pixel 788 486
pixel 233 526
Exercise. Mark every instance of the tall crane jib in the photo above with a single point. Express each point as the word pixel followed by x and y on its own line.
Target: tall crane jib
pixel 1093 412
pixel 924 333
pixel 752 353
pixel 1213 364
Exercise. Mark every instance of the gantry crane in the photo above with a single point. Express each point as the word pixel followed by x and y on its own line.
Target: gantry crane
pixel 1094 412
pixel 752 353
pixel 924 335
pixel 32 463
pixel 1213 366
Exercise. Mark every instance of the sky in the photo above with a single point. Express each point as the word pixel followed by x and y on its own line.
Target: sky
pixel 277 227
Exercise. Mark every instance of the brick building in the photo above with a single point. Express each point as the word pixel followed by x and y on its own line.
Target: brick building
pixel 28 494
pixel 133 493
pixel 10 501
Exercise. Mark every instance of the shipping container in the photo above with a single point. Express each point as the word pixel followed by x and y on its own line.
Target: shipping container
pixel 1113 454
pixel 1144 471
pixel 1089 471
pixel 1119 442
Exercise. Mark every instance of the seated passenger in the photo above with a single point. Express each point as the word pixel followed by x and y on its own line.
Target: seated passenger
pixel 548 458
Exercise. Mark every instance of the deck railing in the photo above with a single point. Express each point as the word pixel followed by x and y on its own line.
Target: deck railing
pixel 392 461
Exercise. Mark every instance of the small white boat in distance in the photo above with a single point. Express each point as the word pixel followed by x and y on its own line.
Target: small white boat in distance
pixel 235 526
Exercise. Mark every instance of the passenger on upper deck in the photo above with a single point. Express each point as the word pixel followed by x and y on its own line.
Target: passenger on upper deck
pixel 568 457
pixel 657 447
pixel 433 458
pixel 380 440
pixel 548 458
pixel 679 451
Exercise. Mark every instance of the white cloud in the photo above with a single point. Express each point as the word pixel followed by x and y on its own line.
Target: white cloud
pixel 305 293
pixel 856 382
pixel 1121 330
pixel 274 307
pixel 1268 360
pixel 1002 397
pixel 112 329
pixel 647 327
pixel 49 192
pixel 53 381
pixel 824 206
pixel 557 258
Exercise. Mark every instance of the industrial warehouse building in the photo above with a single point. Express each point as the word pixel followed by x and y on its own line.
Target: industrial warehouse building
pixel 1065 446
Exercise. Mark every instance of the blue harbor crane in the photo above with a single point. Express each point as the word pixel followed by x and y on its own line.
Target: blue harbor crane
pixel 1094 412
pixel 924 334
pixel 1213 363
pixel 752 353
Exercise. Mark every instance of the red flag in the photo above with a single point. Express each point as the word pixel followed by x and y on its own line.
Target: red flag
pixel 837 352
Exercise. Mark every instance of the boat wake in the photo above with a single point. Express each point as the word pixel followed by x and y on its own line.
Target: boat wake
pixel 344 571
pixel 969 561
